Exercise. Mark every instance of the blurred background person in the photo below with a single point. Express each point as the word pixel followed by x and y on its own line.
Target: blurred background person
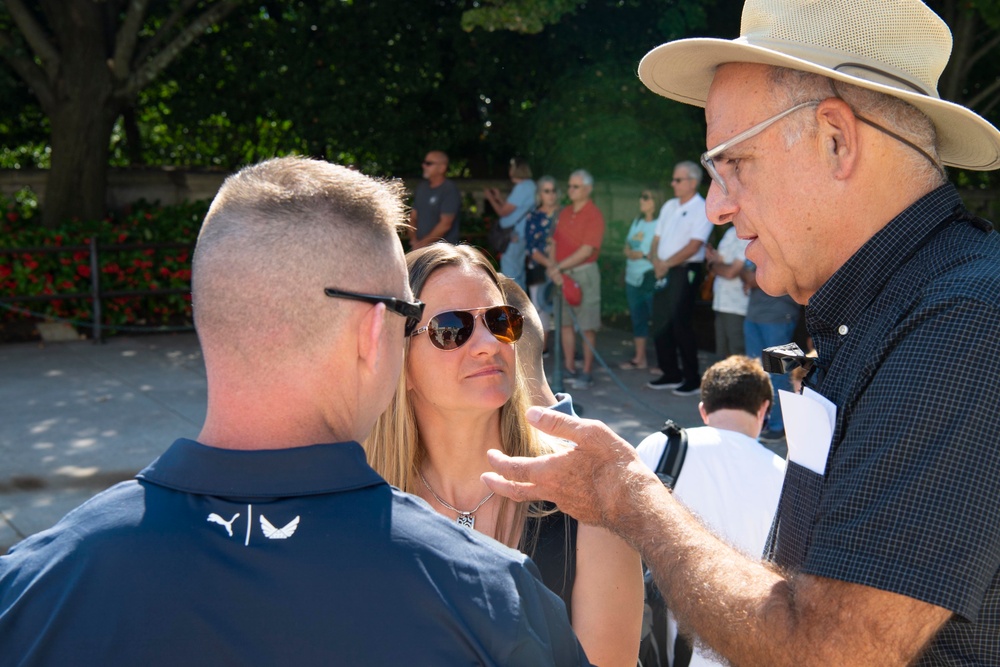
pixel 437 204
pixel 729 294
pixel 529 352
pixel 678 256
pixel 639 275
pixel 538 233
pixel 577 243
pixel 513 211
pixel 770 320
pixel 460 395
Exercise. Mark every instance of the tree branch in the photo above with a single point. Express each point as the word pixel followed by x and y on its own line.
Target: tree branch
pixel 128 35
pixel 164 31
pixel 30 73
pixel 148 70
pixel 984 50
pixel 986 92
pixel 35 35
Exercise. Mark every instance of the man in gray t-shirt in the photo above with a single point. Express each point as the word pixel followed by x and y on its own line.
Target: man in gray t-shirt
pixel 437 204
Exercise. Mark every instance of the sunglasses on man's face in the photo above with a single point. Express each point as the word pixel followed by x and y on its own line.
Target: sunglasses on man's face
pixel 452 329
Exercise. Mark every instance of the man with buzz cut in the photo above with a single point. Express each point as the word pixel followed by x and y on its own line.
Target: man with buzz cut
pixel 270 540
pixel 827 146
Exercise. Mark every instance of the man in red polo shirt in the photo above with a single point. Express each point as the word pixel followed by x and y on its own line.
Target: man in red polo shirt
pixel 577 243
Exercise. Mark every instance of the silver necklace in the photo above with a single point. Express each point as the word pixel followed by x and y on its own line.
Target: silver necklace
pixel 464 518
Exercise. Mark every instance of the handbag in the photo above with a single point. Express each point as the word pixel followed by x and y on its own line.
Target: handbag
pixel 499 238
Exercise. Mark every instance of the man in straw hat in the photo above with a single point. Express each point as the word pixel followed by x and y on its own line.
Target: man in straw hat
pixel 827 141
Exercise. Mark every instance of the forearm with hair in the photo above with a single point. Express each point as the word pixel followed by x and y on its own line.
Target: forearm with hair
pixel 746 610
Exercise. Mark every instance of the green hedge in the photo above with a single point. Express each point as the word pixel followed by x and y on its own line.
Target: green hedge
pixel 133 267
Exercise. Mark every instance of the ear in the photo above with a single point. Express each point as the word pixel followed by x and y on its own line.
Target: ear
pixel 838 137
pixel 762 412
pixel 369 329
pixel 701 411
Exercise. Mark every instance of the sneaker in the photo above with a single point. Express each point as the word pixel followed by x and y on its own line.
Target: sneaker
pixel 568 375
pixel 663 382
pixel 772 435
pixel 688 389
pixel 583 381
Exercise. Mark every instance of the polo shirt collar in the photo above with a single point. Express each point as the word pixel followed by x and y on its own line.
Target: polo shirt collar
pixel 192 467
pixel 842 299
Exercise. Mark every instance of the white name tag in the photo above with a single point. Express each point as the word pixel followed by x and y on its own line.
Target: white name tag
pixel 809 422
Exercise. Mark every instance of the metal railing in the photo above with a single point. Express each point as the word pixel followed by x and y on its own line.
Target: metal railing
pixel 96 295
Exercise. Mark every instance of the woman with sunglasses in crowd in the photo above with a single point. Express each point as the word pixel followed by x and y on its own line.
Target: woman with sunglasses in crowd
pixel 639 278
pixel 538 232
pixel 460 395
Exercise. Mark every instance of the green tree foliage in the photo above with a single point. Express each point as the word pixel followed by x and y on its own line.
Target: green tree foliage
pixel 85 61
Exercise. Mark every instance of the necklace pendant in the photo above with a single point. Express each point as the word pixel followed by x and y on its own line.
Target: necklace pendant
pixel 466 520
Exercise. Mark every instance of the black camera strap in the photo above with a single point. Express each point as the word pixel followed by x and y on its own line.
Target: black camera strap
pixel 672 459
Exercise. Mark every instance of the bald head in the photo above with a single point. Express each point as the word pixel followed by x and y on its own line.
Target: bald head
pixel 278 233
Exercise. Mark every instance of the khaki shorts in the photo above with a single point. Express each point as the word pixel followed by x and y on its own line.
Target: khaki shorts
pixel 588 313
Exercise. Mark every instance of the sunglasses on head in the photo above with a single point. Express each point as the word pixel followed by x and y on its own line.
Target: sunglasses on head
pixel 452 329
pixel 411 310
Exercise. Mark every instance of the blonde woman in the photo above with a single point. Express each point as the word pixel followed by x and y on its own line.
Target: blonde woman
pixel 460 395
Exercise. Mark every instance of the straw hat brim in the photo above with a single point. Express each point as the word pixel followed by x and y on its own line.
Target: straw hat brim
pixel 683 71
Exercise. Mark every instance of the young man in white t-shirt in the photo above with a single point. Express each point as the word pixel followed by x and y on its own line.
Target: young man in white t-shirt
pixel 728 480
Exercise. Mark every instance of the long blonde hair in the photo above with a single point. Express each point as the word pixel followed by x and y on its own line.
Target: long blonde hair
pixel 394 448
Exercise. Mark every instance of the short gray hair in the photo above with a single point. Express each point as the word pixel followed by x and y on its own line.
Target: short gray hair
pixel 791 87
pixel 540 183
pixel 693 169
pixel 584 176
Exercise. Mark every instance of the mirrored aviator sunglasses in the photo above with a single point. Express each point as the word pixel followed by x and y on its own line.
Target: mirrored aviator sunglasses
pixel 452 329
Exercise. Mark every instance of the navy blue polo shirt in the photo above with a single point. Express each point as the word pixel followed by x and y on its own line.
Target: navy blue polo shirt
pixel 300 556
pixel 908 336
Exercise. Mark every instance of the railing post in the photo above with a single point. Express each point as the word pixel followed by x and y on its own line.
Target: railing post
pixel 557 367
pixel 95 289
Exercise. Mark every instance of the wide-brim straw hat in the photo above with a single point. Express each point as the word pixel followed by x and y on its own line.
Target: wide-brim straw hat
pixel 896 47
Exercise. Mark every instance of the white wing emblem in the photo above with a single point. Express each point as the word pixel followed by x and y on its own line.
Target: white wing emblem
pixel 272 533
pixel 215 518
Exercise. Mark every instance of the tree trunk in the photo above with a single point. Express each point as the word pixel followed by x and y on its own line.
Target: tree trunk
pixel 82 112
pixel 77 183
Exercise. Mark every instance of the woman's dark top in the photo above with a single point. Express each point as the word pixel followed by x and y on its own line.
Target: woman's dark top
pixel 551 542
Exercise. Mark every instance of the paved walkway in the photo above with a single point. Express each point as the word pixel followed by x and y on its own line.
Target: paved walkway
pixel 76 417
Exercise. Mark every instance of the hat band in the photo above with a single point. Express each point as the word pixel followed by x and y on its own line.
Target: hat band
pixel 844 63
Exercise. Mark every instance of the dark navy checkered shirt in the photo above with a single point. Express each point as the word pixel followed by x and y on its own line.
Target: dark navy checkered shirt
pixel 908 335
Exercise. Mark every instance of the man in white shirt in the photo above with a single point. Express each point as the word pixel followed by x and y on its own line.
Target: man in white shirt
pixel 729 296
pixel 729 480
pixel 678 257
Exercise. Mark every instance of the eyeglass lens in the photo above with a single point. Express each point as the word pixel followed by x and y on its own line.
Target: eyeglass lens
pixel 453 329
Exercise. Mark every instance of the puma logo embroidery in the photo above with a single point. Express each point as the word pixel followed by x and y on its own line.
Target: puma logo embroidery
pixel 272 533
pixel 215 518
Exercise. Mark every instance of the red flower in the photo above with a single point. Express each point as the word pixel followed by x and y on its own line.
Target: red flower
pixel 83 270
pixel 12 216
